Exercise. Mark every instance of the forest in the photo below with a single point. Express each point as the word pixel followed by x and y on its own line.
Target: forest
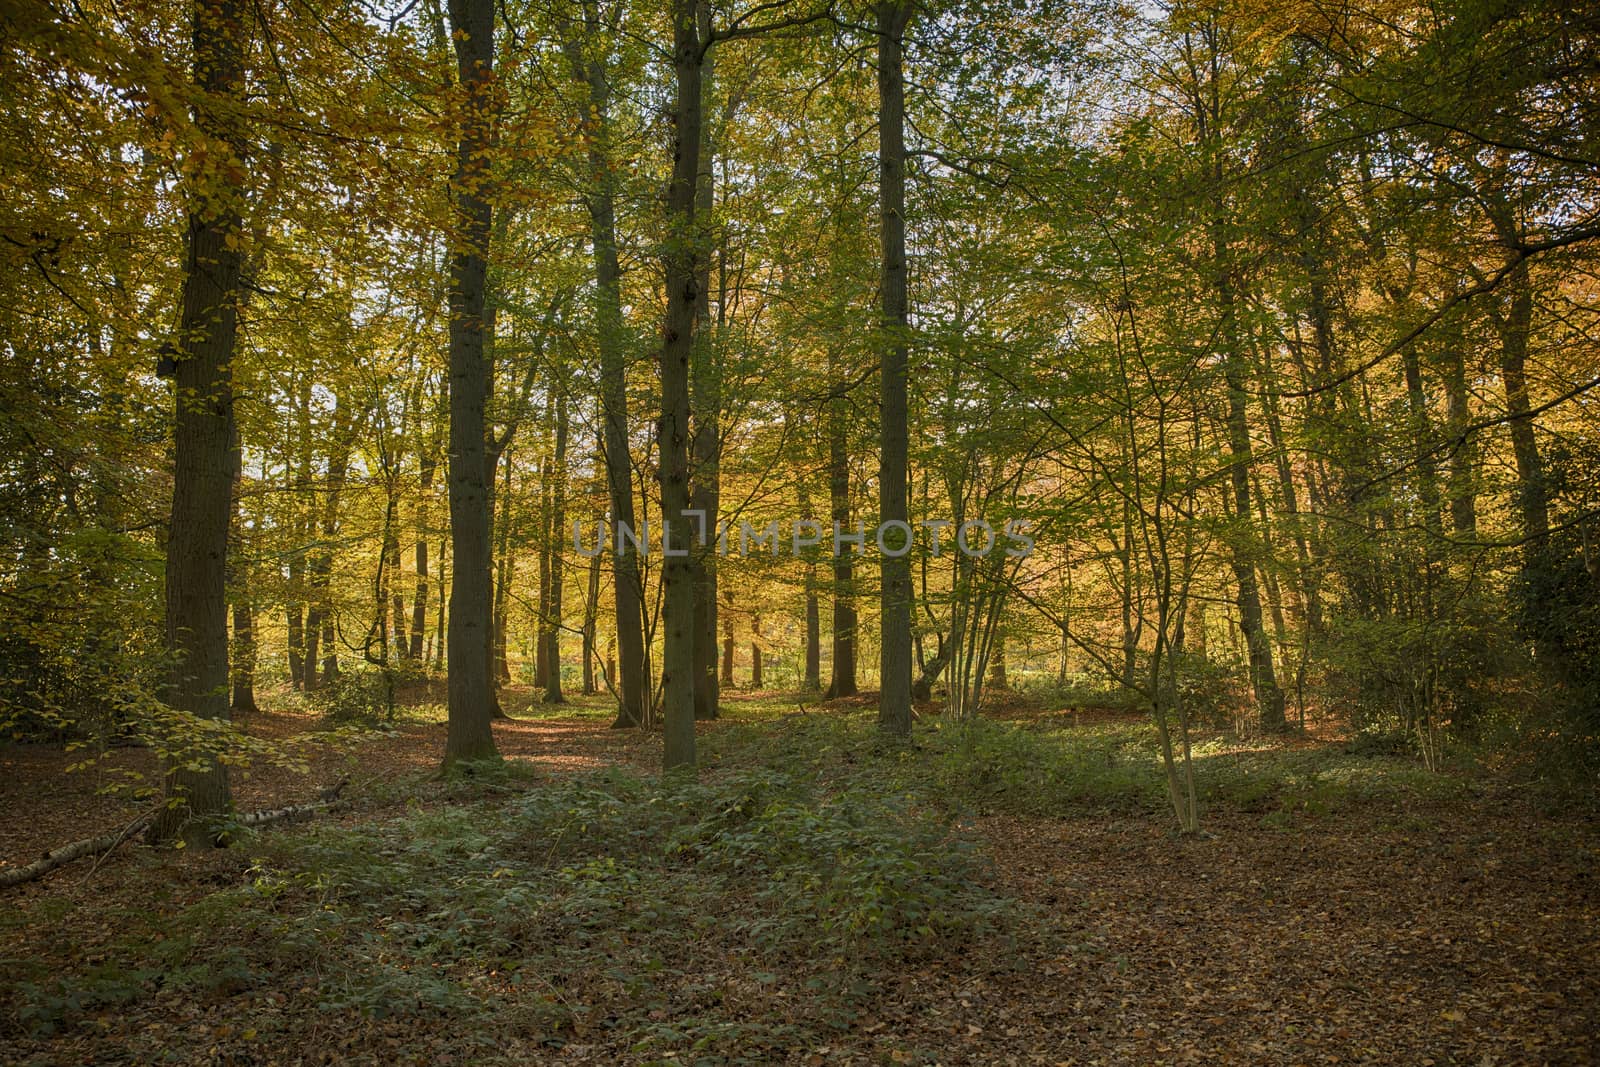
pixel 799 532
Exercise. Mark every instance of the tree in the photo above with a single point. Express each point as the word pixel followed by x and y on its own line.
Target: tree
pixel 471 692
pixel 204 453
pixel 583 44
pixel 677 346
pixel 894 702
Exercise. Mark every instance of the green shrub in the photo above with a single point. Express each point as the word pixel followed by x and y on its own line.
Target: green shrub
pixel 988 766
pixel 360 696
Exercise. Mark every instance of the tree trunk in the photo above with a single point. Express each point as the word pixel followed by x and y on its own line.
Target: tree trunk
pixel 419 604
pixel 204 433
pixel 241 579
pixel 551 637
pixel 627 590
pixel 997 665
pixel 705 491
pixel 1463 449
pixel 672 433
pixel 471 692
pixel 591 615
pixel 244 656
pixel 303 527
pixel 1263 677
pixel 1532 494
pixel 755 653
pixel 843 679
pixel 727 638
pixel 894 671
pixel 1422 443
pixel 320 630
pixel 813 680
pixel 441 626
pixel 500 506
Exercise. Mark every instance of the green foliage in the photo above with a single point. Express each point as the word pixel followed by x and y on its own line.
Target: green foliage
pixel 863 869
pixel 608 887
pixel 361 696
pixel 80 640
pixel 990 766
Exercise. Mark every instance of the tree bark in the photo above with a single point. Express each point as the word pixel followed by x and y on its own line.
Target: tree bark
pixel 842 681
pixel 1463 449
pixel 894 702
pixel 1263 677
pixel 303 527
pixel 243 648
pixel 419 604
pixel 320 618
pixel 500 504
pixel 627 590
pixel 558 509
pixel 591 615
pixel 705 491
pixel 727 638
pixel 471 693
pixel 244 657
pixel 756 681
pixel 813 679
pixel 205 456
pixel 672 433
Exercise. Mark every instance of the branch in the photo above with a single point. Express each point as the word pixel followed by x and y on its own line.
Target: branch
pixel 94 846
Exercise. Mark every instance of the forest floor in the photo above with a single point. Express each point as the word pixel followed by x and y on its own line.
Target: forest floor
pixel 1005 893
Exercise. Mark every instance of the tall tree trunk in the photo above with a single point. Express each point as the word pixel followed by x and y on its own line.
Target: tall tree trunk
pixel 755 652
pixel 1132 621
pixel 842 682
pixel 294 623
pixel 1532 494
pixel 705 491
pixel 204 433
pixel 672 433
pixel 330 650
pixel 894 702
pixel 541 651
pixel 471 691
pixel 419 604
pixel 1263 677
pixel 813 680
pixel 320 630
pixel 551 638
pixel 303 527
pixel 727 638
pixel 244 638
pixel 244 656
pixel 1422 443
pixel 441 625
pixel 500 506
pixel 627 588
pixel 1463 448
pixel 392 605
pixel 591 615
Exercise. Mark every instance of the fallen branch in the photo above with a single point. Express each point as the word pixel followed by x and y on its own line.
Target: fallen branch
pixel 293 811
pixel 57 857
pixel 94 846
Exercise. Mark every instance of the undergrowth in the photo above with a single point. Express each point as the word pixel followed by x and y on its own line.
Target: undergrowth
pixel 659 917
pixel 808 867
